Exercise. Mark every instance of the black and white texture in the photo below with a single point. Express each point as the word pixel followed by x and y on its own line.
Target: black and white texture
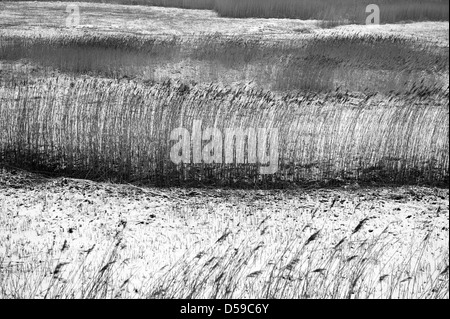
pixel 224 149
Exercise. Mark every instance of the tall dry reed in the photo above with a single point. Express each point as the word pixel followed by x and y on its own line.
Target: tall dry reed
pixel 109 128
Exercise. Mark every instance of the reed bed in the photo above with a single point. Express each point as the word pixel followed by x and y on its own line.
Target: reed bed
pixel 366 109
pixel 351 11
pixel 121 129
pixel 303 268
pixel 392 11
pixel 366 62
pixel 252 261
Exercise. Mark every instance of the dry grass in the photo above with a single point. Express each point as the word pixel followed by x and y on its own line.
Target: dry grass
pixel 340 126
pixel 48 19
pixel 392 11
pixel 120 129
pixel 277 55
pixel 349 10
pixel 68 238
pixel 184 4
pixel 303 269
pixel 367 63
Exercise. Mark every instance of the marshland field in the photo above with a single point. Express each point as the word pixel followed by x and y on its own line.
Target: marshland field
pixel 93 206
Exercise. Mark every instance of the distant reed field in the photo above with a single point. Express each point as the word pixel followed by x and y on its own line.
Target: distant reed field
pixel 352 11
pixel 368 63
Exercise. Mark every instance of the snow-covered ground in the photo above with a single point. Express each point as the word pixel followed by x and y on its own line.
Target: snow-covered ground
pixel 46 221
